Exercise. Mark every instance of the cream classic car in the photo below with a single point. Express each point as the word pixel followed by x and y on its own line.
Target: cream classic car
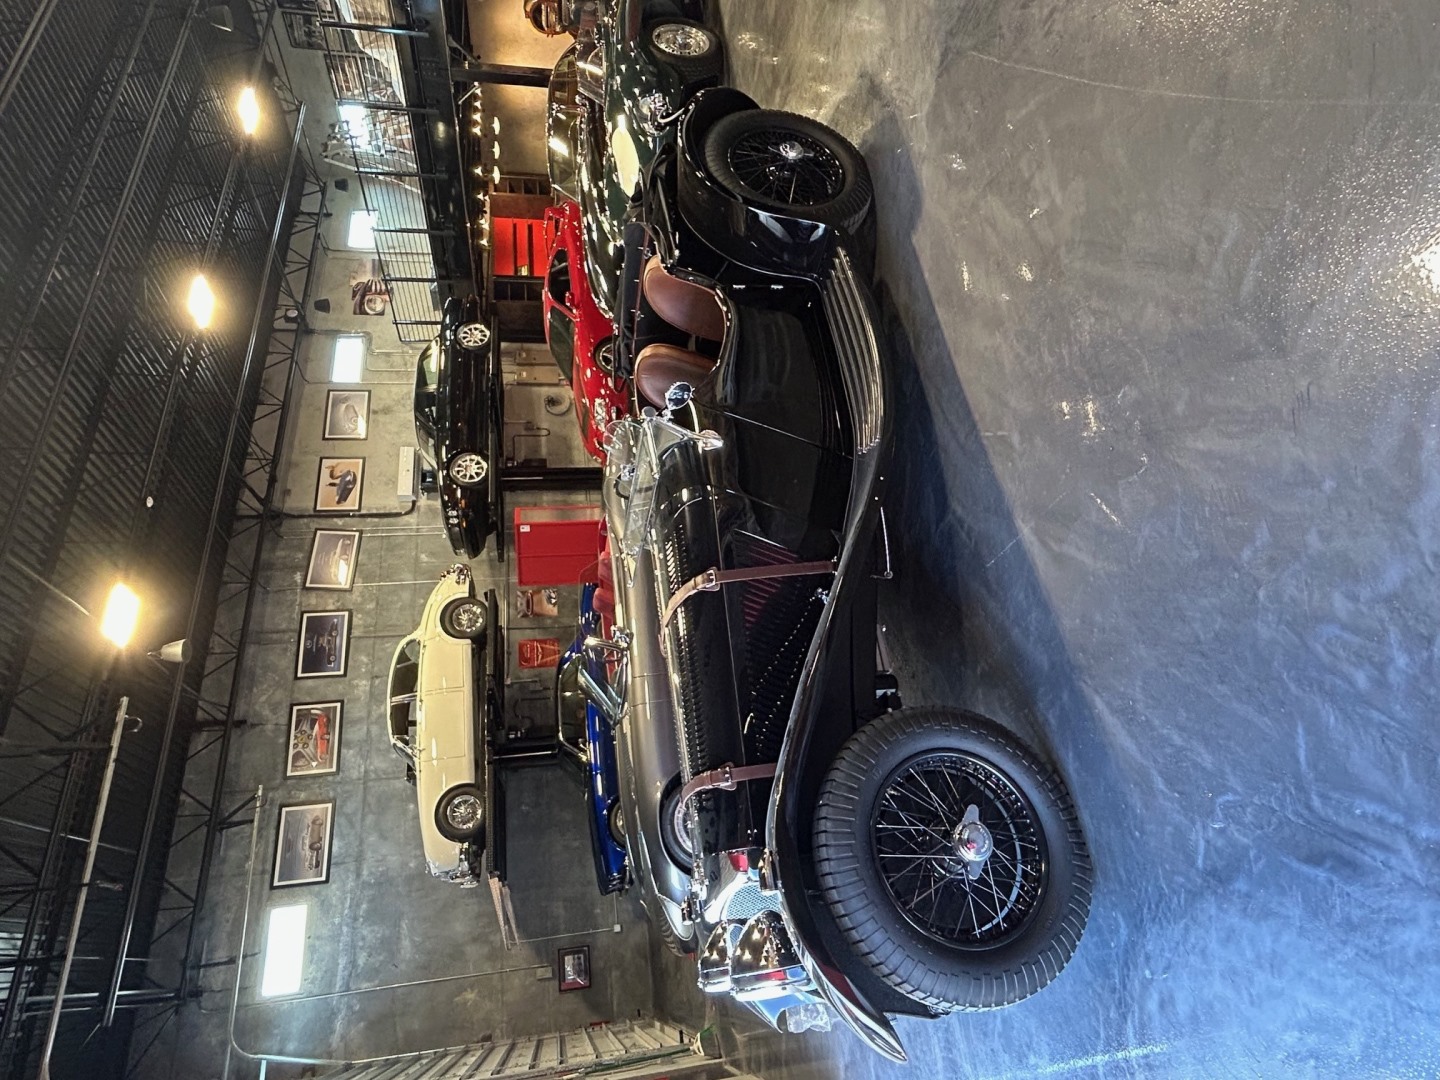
pixel 439 694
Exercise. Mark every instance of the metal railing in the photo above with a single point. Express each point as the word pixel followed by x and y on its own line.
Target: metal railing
pixel 388 137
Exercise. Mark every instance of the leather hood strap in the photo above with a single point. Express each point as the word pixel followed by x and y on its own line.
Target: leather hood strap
pixel 711 580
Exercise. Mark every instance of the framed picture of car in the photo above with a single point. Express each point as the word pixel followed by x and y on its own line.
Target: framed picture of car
pixel 337 488
pixel 324 642
pixel 347 414
pixel 302 844
pixel 574 966
pixel 314 747
pixel 332 559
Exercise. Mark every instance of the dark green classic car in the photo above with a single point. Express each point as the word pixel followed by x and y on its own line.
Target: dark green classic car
pixel 612 96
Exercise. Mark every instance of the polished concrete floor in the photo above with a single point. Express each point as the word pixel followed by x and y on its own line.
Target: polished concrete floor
pixel 1162 280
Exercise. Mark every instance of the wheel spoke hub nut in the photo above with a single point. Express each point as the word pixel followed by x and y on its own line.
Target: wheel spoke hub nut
pixel 973 842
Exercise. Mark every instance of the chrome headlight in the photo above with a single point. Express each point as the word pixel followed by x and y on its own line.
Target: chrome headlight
pixel 764 960
pixel 714 960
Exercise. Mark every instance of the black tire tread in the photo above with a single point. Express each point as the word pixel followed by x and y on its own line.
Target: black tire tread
pixel 848 208
pixel 855 908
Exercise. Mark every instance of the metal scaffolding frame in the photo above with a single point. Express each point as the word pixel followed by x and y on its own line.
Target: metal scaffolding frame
pixel 130 446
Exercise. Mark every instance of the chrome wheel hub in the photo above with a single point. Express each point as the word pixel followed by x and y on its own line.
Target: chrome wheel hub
pixel 464 812
pixel 468 469
pixel 679 40
pixel 791 150
pixel 973 842
pixel 468 618
pixel 473 335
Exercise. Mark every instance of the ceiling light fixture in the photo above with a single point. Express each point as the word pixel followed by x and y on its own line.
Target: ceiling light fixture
pixel 122 612
pixel 248 106
pixel 200 302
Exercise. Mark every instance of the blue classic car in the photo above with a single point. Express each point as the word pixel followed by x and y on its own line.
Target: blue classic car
pixel 587 734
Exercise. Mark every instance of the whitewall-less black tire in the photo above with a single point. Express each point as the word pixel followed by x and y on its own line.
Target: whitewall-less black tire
pixel 463 617
pixel 460 813
pixel 911 888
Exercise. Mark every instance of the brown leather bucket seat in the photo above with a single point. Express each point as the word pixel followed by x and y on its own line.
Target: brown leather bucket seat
pixel 683 304
pixel 660 366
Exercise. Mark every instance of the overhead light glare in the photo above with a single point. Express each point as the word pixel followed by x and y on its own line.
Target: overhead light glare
pixel 122 612
pixel 495 150
pixel 347 363
pixel 495 176
pixel 248 106
pixel 495 125
pixel 284 963
pixel 361 233
pixel 200 301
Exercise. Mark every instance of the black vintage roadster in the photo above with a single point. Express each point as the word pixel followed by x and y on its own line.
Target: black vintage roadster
pixel 821 850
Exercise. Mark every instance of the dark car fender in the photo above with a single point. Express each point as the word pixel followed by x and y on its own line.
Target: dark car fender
pixel 766 242
pixel 788 819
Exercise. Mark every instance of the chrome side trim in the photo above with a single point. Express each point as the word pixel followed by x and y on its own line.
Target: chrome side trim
pixel 859 353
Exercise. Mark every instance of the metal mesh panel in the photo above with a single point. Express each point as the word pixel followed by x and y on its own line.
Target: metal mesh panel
pixel 377 138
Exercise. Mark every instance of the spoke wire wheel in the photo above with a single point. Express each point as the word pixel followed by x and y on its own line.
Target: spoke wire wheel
pixel 473 335
pixel 468 468
pixel 786 167
pixel 463 813
pixel 675 827
pixel 914 803
pixel 460 814
pixel 465 618
pixel 682 40
pixel 915 829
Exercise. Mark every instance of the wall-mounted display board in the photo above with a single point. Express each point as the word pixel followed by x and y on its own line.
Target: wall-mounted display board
pixel 574 965
pixel 332 559
pixel 347 414
pixel 302 844
pixel 314 746
pixel 324 642
pixel 338 487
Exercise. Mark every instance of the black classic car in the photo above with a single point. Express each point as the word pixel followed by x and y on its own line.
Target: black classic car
pixel 458 409
pixel 609 93
pixel 845 855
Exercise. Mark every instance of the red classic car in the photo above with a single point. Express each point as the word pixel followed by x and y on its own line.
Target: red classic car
pixel 581 338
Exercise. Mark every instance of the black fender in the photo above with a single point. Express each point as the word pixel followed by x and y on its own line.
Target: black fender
pixel 766 242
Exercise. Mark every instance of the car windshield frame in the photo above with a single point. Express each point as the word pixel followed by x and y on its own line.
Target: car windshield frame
pixel 563 112
pixel 429 396
pixel 560 333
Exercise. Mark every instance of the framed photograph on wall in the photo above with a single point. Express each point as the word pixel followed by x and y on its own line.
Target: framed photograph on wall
pixel 338 487
pixel 332 559
pixel 302 844
pixel 347 414
pixel 574 966
pixel 324 642
pixel 314 747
